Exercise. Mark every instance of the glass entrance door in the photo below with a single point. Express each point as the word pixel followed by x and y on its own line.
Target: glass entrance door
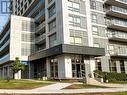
pixel 78 70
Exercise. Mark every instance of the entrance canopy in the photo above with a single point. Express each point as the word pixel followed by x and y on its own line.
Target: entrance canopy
pixel 68 49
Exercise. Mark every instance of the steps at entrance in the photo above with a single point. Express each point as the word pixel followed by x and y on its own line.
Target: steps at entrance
pixel 93 81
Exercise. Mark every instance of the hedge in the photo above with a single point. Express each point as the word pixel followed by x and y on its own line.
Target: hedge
pixel 112 77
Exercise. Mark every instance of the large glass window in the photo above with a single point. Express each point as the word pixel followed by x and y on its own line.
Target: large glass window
pixel 52 10
pixel 52 40
pixel 112 66
pixel 74 20
pixel 75 40
pixel 122 67
pixel 94 18
pixel 95 30
pixel 92 4
pixel 54 67
pixel 98 64
pixel 52 25
pixel 73 6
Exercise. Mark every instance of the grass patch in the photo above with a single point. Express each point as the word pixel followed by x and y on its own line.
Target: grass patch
pixel 21 84
pixel 83 86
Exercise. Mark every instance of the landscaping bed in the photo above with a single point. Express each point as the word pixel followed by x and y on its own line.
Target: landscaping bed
pixel 83 86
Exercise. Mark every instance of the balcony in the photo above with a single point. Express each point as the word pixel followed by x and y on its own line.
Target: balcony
pixel 5 45
pixel 40 28
pixel 5 36
pixel 120 3
pixel 40 39
pixel 117 12
pixel 40 4
pixel 5 58
pixel 40 16
pixel 118 50
pixel 117 36
pixel 117 24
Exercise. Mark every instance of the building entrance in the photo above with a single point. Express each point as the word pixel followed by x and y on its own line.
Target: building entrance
pixel 78 66
pixel 78 70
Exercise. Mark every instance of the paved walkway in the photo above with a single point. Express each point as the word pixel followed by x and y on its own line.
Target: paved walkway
pixel 57 88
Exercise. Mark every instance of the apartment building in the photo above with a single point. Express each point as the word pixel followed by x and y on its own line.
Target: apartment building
pixel 72 38
pixel 16 40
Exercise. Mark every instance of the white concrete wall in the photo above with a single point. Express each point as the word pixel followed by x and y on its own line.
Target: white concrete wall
pixel 15 37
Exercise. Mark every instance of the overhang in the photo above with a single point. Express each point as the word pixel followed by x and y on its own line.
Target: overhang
pixel 68 49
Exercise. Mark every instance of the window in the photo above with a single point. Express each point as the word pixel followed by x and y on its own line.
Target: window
pixel 94 18
pixel 98 64
pixel 52 40
pixel 95 30
pixel 122 67
pixel 92 4
pixel 75 40
pixel 49 1
pixel 52 25
pixel 75 20
pixel 26 49
pixel 54 67
pixel 52 10
pixel 112 66
pixel 25 25
pixel 73 6
pixel 96 45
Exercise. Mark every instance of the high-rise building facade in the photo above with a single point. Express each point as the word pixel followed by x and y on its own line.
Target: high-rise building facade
pixel 72 38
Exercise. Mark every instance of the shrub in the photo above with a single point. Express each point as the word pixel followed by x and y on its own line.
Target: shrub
pixel 112 77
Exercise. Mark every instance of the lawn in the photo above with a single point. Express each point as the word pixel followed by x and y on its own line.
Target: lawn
pixel 21 84
pixel 83 86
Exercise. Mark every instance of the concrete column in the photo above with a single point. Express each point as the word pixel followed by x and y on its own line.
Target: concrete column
pixel 87 68
pixel 92 66
pixel 17 75
pixel 3 73
pixel 48 67
pixel 118 66
pixel 68 67
pixel 125 64
pixel 61 66
pixel 8 71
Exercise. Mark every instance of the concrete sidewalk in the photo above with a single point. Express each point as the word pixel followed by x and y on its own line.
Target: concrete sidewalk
pixel 58 88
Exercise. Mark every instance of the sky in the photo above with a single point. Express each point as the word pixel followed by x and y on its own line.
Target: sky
pixel 3 17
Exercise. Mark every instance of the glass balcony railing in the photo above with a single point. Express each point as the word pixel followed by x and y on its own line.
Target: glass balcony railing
pixel 4 36
pixel 117 10
pixel 36 7
pixel 5 45
pixel 117 34
pixel 42 25
pixel 42 12
pixel 4 58
pixel 118 50
pixel 118 22
pixel 123 1
pixel 40 38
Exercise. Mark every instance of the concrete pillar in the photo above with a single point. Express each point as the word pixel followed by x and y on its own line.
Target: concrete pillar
pixel 118 66
pixel 48 67
pixel 92 66
pixel 68 67
pixel 17 75
pixel 125 64
pixel 3 73
pixel 61 66
pixel 87 68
